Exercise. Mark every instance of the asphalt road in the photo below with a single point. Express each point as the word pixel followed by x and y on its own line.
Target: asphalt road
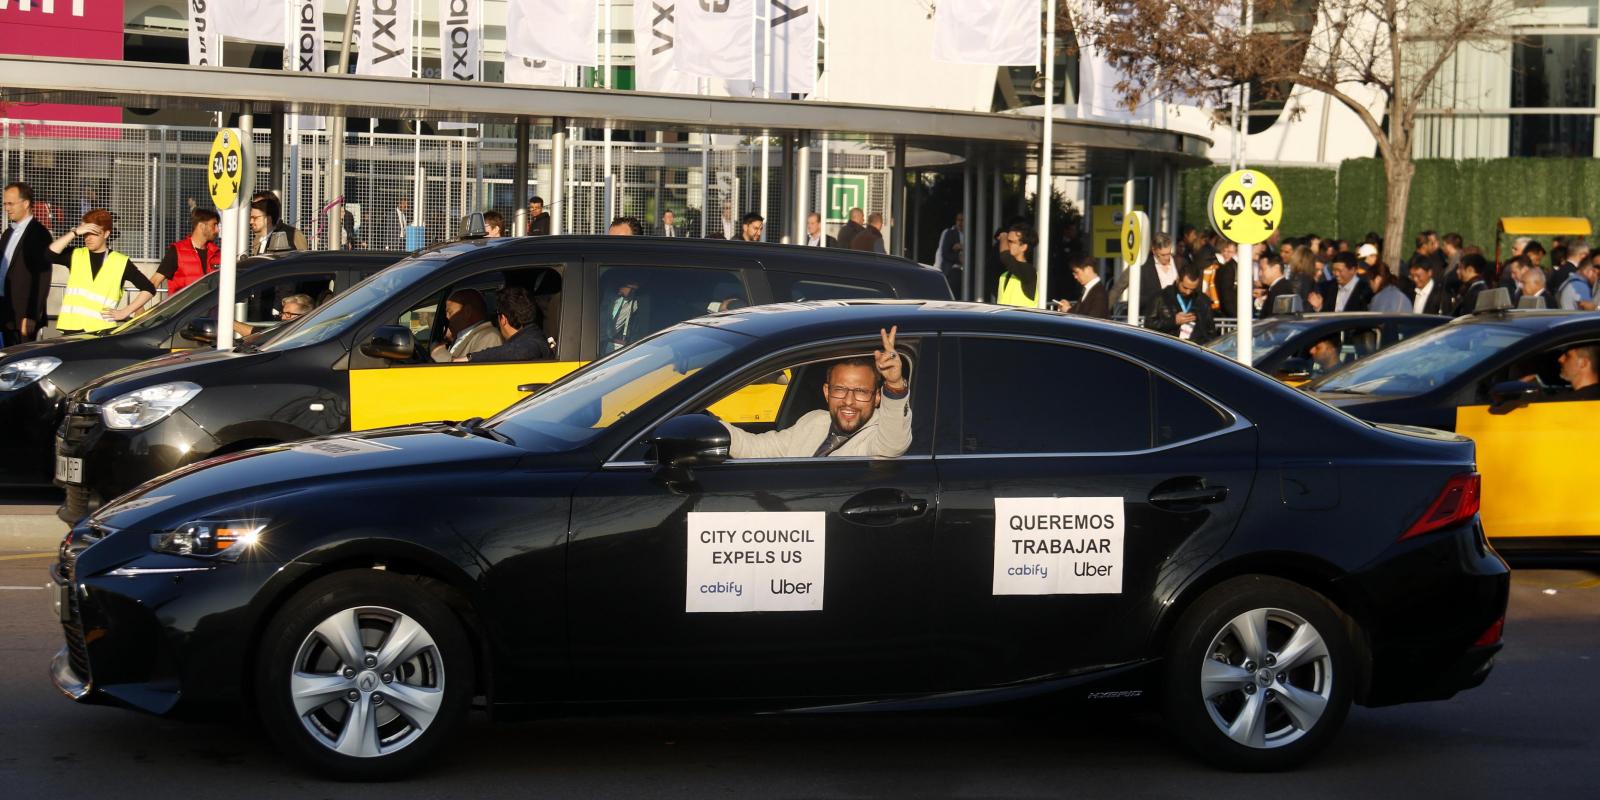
pixel 1534 727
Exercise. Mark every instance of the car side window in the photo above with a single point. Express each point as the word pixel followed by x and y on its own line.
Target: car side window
pixel 800 288
pixel 1037 397
pixel 1180 415
pixel 635 302
pixel 260 306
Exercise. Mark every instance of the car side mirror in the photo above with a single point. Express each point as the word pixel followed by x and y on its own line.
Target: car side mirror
pixel 392 343
pixel 200 331
pixel 1506 393
pixel 690 440
pixel 1295 369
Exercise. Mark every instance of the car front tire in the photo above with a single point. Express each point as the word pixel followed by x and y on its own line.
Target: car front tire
pixel 1259 674
pixel 364 675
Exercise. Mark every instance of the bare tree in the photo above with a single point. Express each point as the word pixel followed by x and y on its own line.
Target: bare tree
pixel 1195 51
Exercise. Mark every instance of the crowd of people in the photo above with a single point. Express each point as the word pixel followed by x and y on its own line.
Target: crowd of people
pixel 1187 285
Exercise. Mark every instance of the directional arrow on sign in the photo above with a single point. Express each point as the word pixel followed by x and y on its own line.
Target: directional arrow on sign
pixel 1268 223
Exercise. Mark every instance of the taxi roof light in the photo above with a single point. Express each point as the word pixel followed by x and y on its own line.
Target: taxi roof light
pixel 1457 502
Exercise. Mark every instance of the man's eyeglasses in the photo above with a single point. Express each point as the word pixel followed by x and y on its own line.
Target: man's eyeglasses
pixel 860 395
pixel 289 315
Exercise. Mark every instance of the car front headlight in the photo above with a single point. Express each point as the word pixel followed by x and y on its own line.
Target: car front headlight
pixel 225 540
pixel 18 374
pixel 147 406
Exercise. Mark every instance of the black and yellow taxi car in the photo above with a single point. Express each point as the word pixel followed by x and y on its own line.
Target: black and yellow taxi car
pixel 37 377
pixel 1496 377
pixel 364 360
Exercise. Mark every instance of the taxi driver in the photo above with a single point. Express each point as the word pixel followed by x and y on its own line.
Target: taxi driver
pixel 869 414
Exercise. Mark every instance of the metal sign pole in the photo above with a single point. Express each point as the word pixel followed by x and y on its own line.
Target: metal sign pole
pixel 1041 258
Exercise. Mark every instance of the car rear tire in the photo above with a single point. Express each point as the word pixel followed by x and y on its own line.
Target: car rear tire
pixel 364 675
pixel 1259 674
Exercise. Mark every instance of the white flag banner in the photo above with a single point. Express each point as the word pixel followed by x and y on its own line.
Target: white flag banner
pixel 655 31
pixel 460 39
pixel 251 20
pixel 537 72
pixel 385 38
pixel 205 34
pixel 303 49
pixel 714 38
pixel 552 30
pixel 999 32
pixel 794 47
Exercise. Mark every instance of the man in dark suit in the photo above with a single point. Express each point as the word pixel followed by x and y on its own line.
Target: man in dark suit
pixel 1473 268
pixel 814 234
pixel 538 218
pixel 1277 285
pixel 1096 300
pixel 1181 310
pixel 853 228
pixel 1348 291
pixel 25 268
pixel 1431 297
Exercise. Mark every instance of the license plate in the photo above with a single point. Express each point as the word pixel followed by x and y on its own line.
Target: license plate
pixel 61 602
pixel 69 470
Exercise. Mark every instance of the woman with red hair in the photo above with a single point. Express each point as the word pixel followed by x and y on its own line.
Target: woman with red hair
pixel 93 301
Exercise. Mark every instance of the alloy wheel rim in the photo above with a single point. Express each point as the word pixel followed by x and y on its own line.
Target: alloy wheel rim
pixel 1266 678
pixel 367 681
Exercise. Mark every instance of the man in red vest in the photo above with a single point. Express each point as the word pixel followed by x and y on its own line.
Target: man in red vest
pixel 190 259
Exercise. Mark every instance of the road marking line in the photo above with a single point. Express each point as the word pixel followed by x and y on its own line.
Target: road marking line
pixel 20 588
pixel 27 555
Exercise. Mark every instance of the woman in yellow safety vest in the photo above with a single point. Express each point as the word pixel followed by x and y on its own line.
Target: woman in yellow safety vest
pixel 93 300
pixel 1019 283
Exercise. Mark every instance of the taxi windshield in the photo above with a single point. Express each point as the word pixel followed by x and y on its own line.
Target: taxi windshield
pixel 174 305
pixel 349 308
pixel 1421 363
pixel 575 410
pixel 1265 336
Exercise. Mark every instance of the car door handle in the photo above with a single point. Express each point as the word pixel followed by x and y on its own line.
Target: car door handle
pixel 905 508
pixel 1189 496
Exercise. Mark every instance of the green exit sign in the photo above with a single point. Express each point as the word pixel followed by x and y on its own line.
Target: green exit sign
pixel 844 193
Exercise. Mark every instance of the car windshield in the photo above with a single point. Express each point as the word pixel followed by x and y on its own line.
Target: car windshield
pixel 167 309
pixel 349 308
pixel 1423 362
pixel 575 410
pixel 1265 336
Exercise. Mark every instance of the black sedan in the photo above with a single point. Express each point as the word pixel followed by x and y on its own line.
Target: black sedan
pixel 951 504
pixel 1280 345
pixel 37 377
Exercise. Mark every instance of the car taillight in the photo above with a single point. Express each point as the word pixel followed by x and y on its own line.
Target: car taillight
pixel 1457 502
pixel 1493 634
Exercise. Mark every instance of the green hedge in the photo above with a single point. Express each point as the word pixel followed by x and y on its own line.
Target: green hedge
pixel 1467 197
pixel 1310 197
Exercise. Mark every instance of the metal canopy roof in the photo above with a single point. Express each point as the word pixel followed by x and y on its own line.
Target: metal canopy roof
pixel 1080 146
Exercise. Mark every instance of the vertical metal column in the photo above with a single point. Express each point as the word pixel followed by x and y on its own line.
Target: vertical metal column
pixel 1041 259
pixel 276 119
pixel 897 199
pixel 802 185
pixel 968 175
pixel 247 127
pixel 1134 270
pixel 558 176
pixel 519 180
pixel 975 248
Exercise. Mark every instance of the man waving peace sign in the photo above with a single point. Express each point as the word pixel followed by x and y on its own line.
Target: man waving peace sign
pixel 869 413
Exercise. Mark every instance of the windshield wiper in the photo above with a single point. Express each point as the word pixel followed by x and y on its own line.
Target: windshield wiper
pixel 476 427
